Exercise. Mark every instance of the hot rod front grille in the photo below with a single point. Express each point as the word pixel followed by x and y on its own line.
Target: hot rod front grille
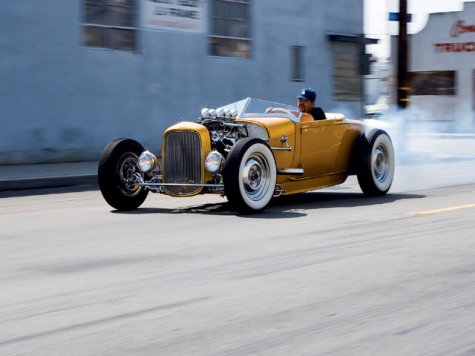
pixel 182 161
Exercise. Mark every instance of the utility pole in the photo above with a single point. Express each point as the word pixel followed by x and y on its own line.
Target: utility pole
pixel 402 74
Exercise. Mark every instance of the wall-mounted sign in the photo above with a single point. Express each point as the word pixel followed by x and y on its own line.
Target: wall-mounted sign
pixel 454 47
pixel 394 16
pixel 459 27
pixel 183 15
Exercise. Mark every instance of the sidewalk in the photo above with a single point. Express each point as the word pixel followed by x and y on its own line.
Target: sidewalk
pixel 48 175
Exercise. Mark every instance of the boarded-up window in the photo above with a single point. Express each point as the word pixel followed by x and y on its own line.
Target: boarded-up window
pixel 433 83
pixel 346 78
pixel 297 63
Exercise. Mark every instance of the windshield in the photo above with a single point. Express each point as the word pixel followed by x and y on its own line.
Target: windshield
pixel 250 107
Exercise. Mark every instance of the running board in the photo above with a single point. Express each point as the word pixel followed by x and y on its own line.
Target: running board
pixel 290 171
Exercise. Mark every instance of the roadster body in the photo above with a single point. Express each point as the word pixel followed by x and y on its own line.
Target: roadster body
pixel 249 151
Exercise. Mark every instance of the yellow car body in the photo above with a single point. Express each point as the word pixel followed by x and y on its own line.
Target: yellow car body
pixel 321 148
pixel 249 151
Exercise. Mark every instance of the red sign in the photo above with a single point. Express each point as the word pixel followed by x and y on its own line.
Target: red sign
pixel 454 47
pixel 459 28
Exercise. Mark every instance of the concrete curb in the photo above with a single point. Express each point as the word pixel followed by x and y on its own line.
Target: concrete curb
pixel 48 182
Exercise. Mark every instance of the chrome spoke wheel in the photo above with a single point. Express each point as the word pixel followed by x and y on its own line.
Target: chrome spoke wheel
pixel 127 167
pixel 117 174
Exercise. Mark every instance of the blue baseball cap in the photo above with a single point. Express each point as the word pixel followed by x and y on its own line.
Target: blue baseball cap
pixel 307 94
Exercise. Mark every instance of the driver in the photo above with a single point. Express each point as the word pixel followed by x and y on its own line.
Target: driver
pixel 307 104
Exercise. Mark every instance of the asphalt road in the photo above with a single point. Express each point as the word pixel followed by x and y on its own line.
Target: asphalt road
pixel 321 273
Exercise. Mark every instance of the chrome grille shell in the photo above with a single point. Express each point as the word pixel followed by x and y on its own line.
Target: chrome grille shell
pixel 182 161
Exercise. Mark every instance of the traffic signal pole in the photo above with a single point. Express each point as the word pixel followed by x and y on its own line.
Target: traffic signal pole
pixel 402 74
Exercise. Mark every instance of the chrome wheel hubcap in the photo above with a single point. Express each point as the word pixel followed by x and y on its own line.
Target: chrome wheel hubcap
pixel 256 177
pixel 380 163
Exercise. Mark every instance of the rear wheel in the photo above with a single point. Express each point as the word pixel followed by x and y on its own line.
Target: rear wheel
pixel 375 171
pixel 249 175
pixel 117 166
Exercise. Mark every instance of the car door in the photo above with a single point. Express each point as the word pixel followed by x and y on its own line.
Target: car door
pixel 320 146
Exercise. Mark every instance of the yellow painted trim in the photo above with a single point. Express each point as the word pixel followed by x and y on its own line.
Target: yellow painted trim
pixel 299 185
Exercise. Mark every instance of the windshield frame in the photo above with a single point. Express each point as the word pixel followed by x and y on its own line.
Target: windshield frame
pixel 251 108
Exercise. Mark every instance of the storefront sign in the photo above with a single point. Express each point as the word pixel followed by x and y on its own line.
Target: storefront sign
pixel 454 47
pixel 459 28
pixel 183 15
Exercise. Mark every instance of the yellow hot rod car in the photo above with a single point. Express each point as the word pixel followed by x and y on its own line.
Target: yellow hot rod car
pixel 249 151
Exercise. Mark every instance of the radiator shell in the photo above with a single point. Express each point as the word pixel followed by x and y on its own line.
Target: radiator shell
pixel 184 149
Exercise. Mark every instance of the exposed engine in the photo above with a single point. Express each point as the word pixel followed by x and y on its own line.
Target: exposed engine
pixel 224 131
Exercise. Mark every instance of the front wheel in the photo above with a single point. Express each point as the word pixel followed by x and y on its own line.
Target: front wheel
pixel 376 167
pixel 117 167
pixel 249 175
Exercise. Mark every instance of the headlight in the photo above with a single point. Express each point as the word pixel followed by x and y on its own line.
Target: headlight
pixel 214 161
pixel 147 162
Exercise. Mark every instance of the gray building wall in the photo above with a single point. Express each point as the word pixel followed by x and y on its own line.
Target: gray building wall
pixel 60 101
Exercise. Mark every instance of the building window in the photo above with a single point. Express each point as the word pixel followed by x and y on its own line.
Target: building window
pixel 110 24
pixel 433 83
pixel 230 34
pixel 297 63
